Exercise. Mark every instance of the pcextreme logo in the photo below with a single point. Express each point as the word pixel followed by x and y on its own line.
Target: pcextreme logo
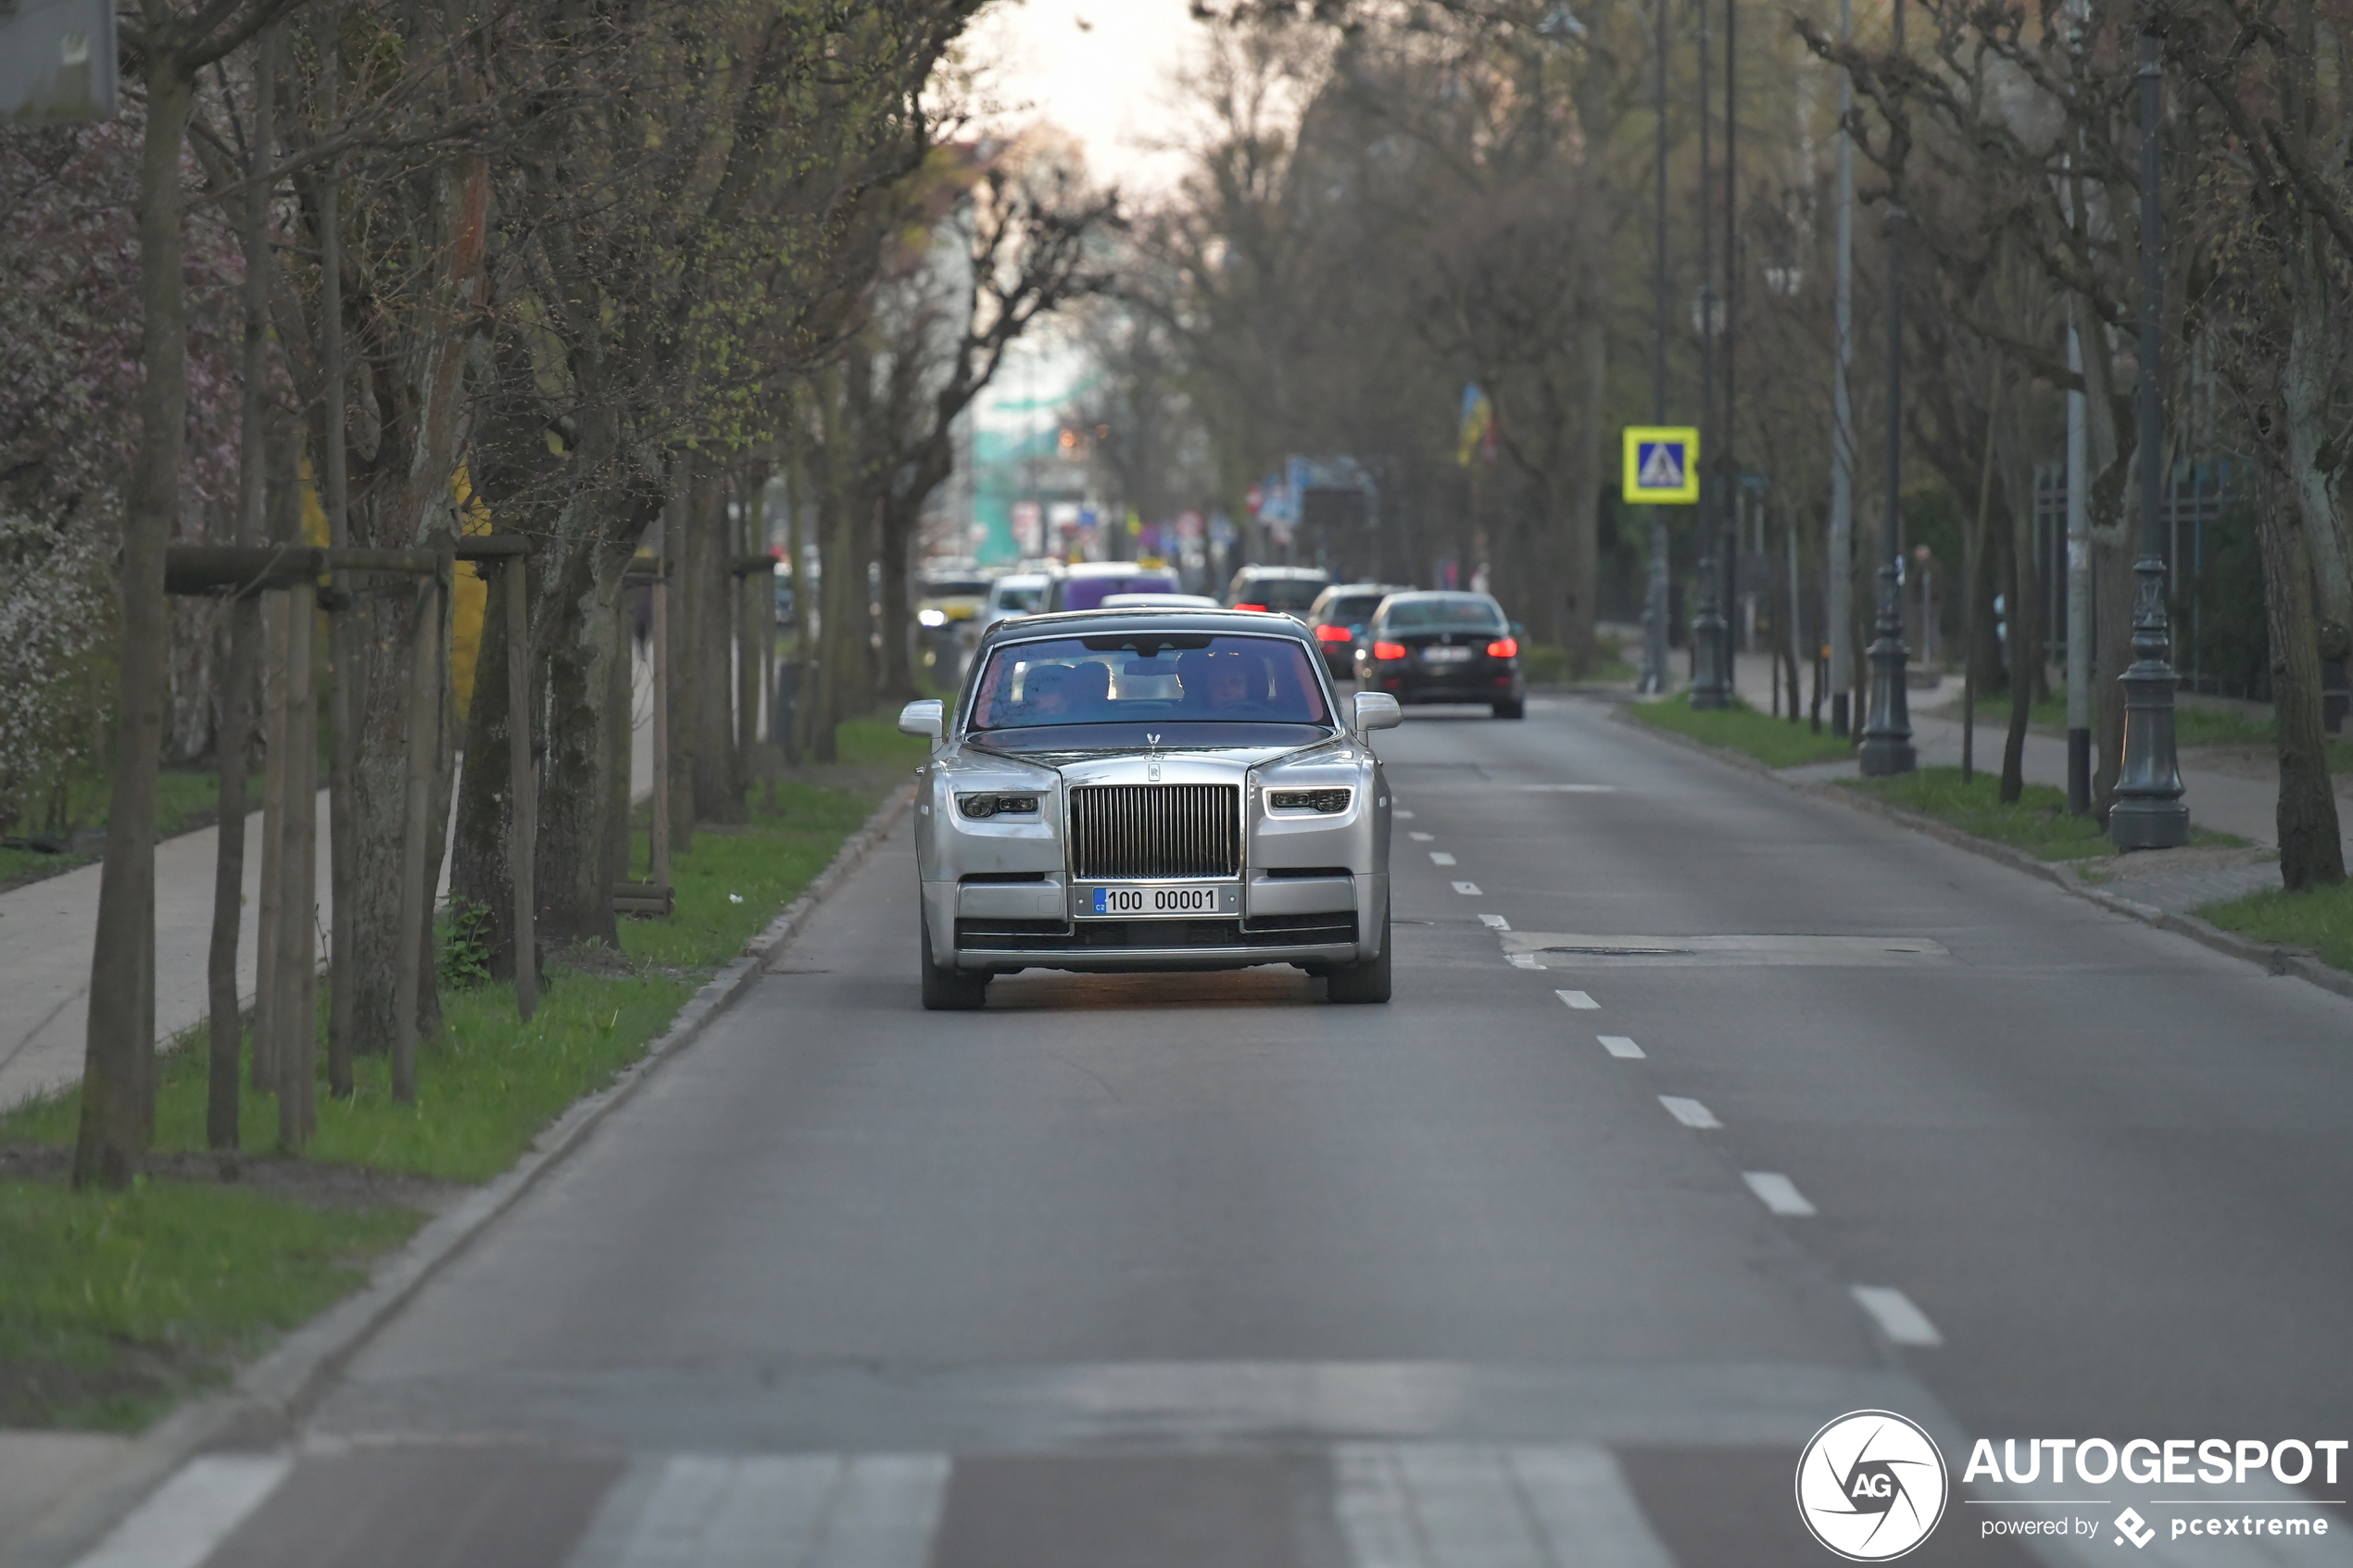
pixel 1871 1485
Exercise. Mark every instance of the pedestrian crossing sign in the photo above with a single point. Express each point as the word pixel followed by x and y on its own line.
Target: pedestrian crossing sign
pixel 1662 465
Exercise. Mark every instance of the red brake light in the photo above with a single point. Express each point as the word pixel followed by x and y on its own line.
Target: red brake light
pixel 1389 650
pixel 1502 647
pixel 1332 633
pixel 1249 607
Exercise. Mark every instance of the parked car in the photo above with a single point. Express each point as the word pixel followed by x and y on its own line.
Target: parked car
pixel 1151 789
pixel 1443 647
pixel 1288 590
pixel 1087 585
pixel 1338 618
pixel 1016 593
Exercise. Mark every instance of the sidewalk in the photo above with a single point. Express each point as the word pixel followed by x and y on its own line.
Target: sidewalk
pixel 45 930
pixel 2176 880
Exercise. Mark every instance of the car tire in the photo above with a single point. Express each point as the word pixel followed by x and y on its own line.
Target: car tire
pixel 1515 709
pixel 948 990
pixel 1362 982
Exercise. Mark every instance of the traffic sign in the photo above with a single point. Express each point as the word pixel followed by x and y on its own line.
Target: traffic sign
pixel 1662 465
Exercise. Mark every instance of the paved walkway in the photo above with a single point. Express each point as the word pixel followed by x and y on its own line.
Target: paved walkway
pixel 45 932
pixel 2179 880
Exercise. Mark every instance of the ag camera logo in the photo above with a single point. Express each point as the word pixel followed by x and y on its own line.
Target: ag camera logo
pixel 1871 1485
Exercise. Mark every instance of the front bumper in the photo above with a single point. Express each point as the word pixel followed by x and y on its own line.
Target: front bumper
pixel 1318 922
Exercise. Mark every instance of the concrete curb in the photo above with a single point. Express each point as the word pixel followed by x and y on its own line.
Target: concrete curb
pixel 270 1396
pixel 2269 956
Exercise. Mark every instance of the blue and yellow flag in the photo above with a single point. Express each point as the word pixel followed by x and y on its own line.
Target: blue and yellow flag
pixel 1478 426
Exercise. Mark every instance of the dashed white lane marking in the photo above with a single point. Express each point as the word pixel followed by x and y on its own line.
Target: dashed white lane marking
pixel 1403 815
pixel 1467 889
pixel 1421 838
pixel 1494 923
pixel 1579 1000
pixel 190 1513
pixel 1431 1505
pixel 1777 1193
pixel 1619 1044
pixel 1689 1112
pixel 1896 1317
pixel 1439 858
pixel 1522 960
pixel 825 1511
pixel 1570 789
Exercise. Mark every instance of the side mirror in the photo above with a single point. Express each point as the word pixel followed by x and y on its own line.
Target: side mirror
pixel 927 719
pixel 1378 711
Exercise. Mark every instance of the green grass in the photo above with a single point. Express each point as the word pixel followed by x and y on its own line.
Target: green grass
pixel 181 798
pixel 1777 743
pixel 2321 920
pixel 113 1304
pixel 2037 822
pixel 1546 664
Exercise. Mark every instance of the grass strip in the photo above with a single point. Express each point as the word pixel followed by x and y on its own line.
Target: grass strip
pixel 2321 920
pixel 113 1305
pixel 2037 822
pixel 1777 743
pixel 224 1268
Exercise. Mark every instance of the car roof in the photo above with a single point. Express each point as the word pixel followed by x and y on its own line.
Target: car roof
pixel 1022 580
pixel 1102 622
pixel 1316 573
pixel 1116 568
pixel 1445 594
pixel 1384 588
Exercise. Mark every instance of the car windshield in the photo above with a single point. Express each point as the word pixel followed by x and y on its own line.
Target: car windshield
pixel 1286 593
pixel 1088 592
pixel 1352 610
pixel 1146 687
pixel 956 588
pixel 1438 615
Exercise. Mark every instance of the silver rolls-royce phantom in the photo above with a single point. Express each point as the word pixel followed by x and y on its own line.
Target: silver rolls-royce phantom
pixel 1151 789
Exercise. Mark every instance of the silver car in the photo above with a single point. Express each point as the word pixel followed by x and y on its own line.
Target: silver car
pixel 1151 789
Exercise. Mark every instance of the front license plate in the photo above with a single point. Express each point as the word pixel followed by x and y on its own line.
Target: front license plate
pixel 1446 656
pixel 1157 900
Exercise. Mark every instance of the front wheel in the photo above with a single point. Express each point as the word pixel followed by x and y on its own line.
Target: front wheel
pixel 1366 982
pixel 948 990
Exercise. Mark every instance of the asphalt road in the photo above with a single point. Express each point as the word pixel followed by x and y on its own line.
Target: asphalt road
pixel 1158 1273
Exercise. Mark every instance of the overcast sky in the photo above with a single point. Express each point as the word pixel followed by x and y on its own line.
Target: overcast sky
pixel 1101 70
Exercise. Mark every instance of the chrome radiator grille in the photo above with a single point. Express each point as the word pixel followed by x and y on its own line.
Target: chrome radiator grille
pixel 1144 832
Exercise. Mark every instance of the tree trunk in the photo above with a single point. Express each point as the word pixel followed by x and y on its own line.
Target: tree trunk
pixel 718 796
pixel 2025 650
pixel 573 873
pixel 480 848
pixel 683 557
pixel 225 1017
pixel 119 1051
pixel 895 680
pixel 2311 851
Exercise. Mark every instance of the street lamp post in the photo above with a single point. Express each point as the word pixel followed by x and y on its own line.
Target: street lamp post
pixel 1887 737
pixel 1654 598
pixel 2148 813
pixel 1709 687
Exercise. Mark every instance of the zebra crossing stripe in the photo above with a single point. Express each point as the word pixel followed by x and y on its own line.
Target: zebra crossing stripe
pixel 1432 1505
pixel 190 1514
pixel 814 1510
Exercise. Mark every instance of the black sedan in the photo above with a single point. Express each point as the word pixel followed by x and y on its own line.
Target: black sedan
pixel 1443 647
pixel 1338 618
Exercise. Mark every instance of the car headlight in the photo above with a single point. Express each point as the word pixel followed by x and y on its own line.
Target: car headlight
pixel 932 617
pixel 1326 801
pixel 988 803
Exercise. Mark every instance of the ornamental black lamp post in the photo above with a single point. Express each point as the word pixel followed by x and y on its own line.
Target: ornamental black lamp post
pixel 1887 734
pixel 2148 813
